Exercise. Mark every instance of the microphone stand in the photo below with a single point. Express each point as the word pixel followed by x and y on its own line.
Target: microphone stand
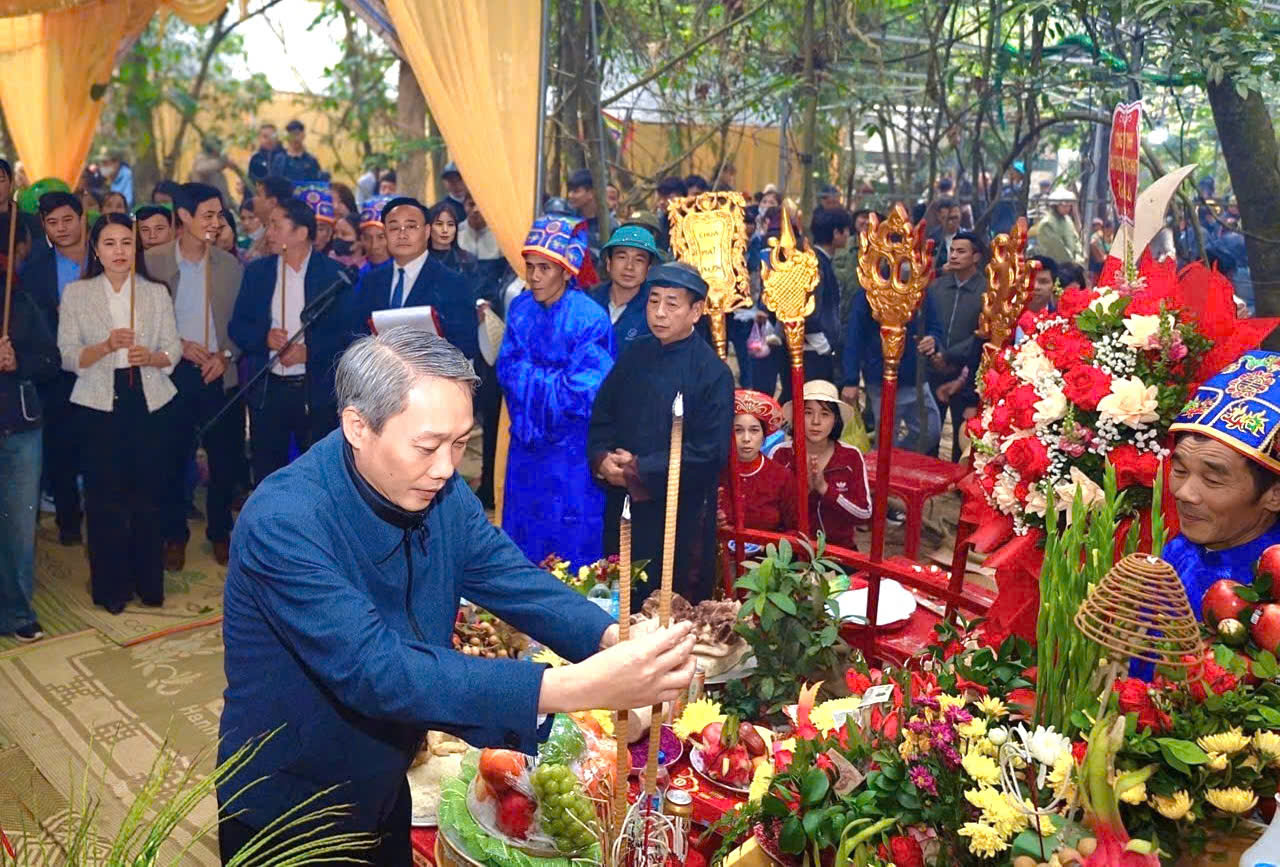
pixel 309 315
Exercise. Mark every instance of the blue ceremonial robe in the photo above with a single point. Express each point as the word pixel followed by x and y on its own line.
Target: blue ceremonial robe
pixel 552 363
pixel 1199 567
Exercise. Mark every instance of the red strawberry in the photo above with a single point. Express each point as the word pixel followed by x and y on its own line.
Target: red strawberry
pixel 515 814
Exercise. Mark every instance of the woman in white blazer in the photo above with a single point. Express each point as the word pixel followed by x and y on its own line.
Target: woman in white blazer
pixel 122 345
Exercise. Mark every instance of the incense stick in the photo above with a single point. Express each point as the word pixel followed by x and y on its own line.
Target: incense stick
pixel 624 633
pixel 8 271
pixel 207 302
pixel 668 568
pixel 133 267
pixel 282 290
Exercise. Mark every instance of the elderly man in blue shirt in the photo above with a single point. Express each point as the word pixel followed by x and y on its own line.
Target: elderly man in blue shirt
pixel 346 571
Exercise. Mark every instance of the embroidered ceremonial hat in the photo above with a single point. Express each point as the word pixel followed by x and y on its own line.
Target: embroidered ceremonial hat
pixel 1240 408
pixel 317 197
pixel 553 237
pixel 371 213
pixel 760 405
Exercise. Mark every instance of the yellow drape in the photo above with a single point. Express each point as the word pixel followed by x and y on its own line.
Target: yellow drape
pixel 190 11
pixel 477 63
pixel 49 63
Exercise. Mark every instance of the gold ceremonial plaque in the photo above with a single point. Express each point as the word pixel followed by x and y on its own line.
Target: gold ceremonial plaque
pixel 895 266
pixel 1008 288
pixel 790 277
pixel 708 231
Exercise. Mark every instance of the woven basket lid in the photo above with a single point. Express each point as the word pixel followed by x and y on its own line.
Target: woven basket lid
pixel 1140 609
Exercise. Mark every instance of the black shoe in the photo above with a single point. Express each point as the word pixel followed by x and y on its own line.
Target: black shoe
pixel 70 538
pixel 154 603
pixel 29 633
pixel 895 517
pixel 113 607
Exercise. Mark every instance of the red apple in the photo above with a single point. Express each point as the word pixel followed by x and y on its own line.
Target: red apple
pixel 1220 601
pixel 1269 565
pixel 1264 626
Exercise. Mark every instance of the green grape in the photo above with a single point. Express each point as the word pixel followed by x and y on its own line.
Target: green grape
pixel 568 816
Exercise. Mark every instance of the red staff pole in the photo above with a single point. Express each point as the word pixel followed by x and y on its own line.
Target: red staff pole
pixel 795 344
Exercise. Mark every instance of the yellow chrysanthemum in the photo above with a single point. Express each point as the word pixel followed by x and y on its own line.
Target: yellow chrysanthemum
pixel 1174 806
pixel 696 717
pixel 981 797
pixel 1227 743
pixel 823 716
pixel 981 768
pixel 1234 800
pixel 984 840
pixel 1006 817
pixel 985 746
pixel 1062 775
pixel 907 749
pixel 974 728
pixel 992 707
pixel 605 719
pixel 1268 746
pixel 1252 762
pixel 760 782
pixel 1217 762
pixel 1135 795
pixel 946 701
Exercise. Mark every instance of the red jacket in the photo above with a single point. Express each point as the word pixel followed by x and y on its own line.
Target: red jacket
pixel 847 502
pixel 768 496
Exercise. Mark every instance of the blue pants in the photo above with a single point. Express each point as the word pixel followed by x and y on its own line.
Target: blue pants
pixel 20 455
pixel 907 416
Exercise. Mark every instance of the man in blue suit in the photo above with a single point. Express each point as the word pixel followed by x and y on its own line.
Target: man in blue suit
pixel 346 570
pixel 296 398
pixel 416 279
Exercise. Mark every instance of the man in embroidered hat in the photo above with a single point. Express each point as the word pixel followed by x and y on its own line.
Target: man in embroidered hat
pixel 627 257
pixel 373 235
pixel 630 436
pixel 1224 475
pixel 317 197
pixel 556 351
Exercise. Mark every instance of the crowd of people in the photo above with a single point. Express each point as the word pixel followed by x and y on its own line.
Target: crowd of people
pixel 136 326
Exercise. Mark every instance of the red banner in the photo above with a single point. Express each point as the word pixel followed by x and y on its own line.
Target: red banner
pixel 1123 163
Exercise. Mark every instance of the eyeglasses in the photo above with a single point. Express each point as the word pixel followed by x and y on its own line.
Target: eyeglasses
pixel 404 230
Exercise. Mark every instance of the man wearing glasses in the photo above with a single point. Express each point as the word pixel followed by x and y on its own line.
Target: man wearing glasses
pixel 415 279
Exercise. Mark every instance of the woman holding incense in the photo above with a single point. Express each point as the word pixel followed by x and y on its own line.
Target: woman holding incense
pixel 117 333
pixel 839 496
pixel 766 488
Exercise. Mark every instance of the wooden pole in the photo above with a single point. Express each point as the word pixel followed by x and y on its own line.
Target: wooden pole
pixel 282 290
pixel 9 267
pixel 668 570
pixel 624 633
pixel 133 267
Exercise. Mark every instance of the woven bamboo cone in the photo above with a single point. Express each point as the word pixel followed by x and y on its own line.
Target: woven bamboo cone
pixel 1140 610
pixel 668 568
pixel 624 633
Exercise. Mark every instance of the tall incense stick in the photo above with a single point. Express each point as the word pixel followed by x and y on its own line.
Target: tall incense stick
pixel 133 268
pixel 668 569
pixel 207 303
pixel 8 270
pixel 624 633
pixel 282 291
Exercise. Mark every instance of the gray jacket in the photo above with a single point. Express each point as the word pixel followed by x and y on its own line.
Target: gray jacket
pixel 958 306
pixel 224 275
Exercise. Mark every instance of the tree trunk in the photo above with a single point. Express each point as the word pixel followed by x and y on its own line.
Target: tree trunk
pixel 135 72
pixel 807 196
pixel 411 119
pixel 1249 147
pixel 218 34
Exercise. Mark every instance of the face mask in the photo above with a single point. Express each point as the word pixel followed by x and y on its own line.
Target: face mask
pixel 341 246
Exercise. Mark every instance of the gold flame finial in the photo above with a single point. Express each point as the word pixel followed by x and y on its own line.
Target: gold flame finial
pixel 790 277
pixel 895 266
pixel 1009 280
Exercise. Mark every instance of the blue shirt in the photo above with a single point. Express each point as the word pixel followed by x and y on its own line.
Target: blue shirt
pixel 631 322
pixel 123 183
pixel 68 271
pixel 1200 567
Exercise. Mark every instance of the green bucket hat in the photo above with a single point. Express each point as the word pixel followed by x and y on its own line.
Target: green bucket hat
pixel 633 236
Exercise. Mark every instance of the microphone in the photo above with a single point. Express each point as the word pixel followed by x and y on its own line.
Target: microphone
pixel 317 306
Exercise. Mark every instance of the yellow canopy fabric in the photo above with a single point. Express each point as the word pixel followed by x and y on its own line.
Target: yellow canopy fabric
pixel 477 63
pixel 49 65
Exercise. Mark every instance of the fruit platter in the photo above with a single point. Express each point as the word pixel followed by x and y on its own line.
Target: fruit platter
pixel 728 753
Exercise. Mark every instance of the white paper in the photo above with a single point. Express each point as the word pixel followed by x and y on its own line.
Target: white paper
pixel 877 695
pixel 423 318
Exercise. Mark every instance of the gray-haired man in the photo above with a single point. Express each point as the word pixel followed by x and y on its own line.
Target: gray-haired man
pixel 346 569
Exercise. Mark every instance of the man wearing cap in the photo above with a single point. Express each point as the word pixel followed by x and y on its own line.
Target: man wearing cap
pixel 319 199
pixel 630 435
pixel 1057 235
pixel 455 191
pixel 417 279
pixel 294 161
pixel 373 235
pixel 1224 475
pixel 627 257
pixel 556 351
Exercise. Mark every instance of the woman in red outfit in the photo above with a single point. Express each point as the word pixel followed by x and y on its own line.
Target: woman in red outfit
pixel 839 496
pixel 767 489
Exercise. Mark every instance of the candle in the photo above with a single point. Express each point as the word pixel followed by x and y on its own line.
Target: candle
pixel 668 569
pixel 624 632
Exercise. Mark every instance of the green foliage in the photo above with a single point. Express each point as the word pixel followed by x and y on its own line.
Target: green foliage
pixel 789 619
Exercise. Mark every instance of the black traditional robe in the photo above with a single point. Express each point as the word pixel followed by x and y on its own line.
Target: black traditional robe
pixel 633 412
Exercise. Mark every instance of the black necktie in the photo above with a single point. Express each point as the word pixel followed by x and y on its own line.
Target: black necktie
pixel 397 294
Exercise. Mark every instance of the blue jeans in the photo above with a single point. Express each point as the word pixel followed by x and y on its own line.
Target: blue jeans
pixel 906 412
pixel 20 455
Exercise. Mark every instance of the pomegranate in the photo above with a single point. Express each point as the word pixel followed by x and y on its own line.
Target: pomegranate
pixel 1264 626
pixel 1221 602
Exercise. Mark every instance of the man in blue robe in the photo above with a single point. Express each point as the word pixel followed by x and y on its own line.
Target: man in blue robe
pixel 556 352
pixel 341 596
pixel 1225 473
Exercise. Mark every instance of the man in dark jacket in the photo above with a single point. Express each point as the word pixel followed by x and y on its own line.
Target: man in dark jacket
pixel 28 357
pixel 628 257
pixel 831 229
pixel 346 570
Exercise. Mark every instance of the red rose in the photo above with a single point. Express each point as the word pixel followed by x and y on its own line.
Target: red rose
pixel 1075 301
pixel 1002 419
pixel 857 682
pixel 1133 467
pixel 1064 346
pixel 1085 385
pixel 997 383
pixel 974 427
pixel 1143 304
pixel 1133 694
pixel 905 852
pixel 1029 457
pixel 1020 490
pixel 1023 400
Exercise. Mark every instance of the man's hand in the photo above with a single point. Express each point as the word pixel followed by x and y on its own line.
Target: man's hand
pixel 8 358
pixel 139 356
pixel 276 338
pixel 613 467
pixel 296 354
pixel 646 670
pixel 213 367
pixel 195 353
pixel 850 394
pixel 927 345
